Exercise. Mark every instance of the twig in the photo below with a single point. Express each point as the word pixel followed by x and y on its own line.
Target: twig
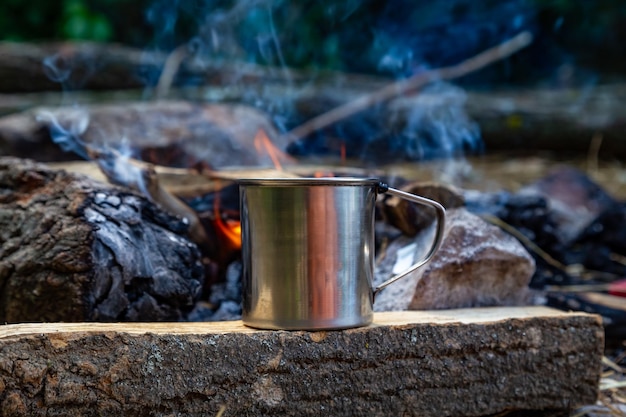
pixel 606 401
pixel 221 411
pixel 578 288
pixel 614 366
pixel 413 83
pixel 593 152
pixel 170 68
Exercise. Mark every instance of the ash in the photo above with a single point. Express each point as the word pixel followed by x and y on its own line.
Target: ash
pixel 225 300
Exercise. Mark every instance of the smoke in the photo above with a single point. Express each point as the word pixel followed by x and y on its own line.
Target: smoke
pixel 274 34
pixel 68 133
pixel 67 130
pixel 408 36
pixel 399 39
pixel 434 124
pixel 71 69
pixel 57 68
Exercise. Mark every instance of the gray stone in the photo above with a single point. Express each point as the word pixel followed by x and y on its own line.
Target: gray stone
pixel 477 265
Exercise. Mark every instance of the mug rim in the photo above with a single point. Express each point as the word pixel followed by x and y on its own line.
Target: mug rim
pixel 309 181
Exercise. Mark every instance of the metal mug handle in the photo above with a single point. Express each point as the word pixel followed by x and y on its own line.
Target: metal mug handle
pixel 441 217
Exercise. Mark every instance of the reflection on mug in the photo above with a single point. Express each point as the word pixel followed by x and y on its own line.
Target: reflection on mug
pixel 322 253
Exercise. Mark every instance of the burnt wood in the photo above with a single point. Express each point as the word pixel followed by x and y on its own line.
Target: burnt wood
pixel 74 249
pixel 446 363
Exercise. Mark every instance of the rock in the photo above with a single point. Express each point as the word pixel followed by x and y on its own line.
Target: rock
pixel 574 199
pixel 477 265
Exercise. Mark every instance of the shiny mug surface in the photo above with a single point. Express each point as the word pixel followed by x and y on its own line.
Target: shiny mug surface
pixel 308 251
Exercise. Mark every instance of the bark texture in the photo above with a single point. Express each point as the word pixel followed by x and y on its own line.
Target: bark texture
pixel 450 363
pixel 73 249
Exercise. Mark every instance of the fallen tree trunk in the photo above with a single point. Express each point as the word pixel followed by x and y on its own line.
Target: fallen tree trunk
pixel 52 66
pixel 174 133
pixel 73 249
pixel 557 120
pixel 31 67
pixel 445 363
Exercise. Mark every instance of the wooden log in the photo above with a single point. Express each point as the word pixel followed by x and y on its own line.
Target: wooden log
pixel 74 249
pixel 557 120
pixel 174 133
pixel 441 363
pixel 30 67
pixel 52 66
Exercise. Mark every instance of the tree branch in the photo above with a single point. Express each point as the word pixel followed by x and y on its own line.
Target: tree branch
pixel 413 83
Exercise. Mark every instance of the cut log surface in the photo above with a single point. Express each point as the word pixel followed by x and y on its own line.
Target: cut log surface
pixel 74 249
pixel 441 363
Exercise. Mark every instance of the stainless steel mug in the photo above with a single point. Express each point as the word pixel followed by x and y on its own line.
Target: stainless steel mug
pixel 308 251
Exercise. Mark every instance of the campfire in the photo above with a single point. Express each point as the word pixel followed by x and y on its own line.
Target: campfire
pixel 135 213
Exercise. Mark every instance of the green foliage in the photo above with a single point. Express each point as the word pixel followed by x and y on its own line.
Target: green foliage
pixel 97 20
pixel 80 22
pixel 349 35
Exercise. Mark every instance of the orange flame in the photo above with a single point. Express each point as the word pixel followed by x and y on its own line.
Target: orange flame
pixel 229 230
pixel 263 144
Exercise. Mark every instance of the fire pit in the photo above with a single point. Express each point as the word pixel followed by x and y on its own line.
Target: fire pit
pixel 249 196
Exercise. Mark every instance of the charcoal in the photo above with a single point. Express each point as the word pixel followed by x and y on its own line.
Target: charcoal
pixel 224 300
pixel 609 227
pixel 73 249
pixel 539 212
pixel 574 200
pixel 228 200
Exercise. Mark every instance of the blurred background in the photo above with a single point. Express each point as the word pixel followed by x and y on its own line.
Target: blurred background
pixel 577 41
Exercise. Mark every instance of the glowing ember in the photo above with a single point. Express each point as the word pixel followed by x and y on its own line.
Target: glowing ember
pixel 228 230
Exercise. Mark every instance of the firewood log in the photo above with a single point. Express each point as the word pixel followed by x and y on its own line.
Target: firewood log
pixel 74 249
pixel 473 362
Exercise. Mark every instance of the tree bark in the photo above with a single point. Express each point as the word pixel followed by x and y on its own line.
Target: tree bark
pixel 73 249
pixel 446 363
